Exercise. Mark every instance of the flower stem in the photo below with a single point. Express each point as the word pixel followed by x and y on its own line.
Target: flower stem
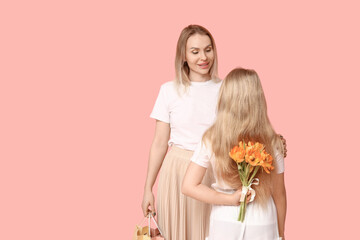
pixel 254 173
pixel 242 211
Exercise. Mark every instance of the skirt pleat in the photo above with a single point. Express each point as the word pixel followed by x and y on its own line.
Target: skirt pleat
pixel 180 217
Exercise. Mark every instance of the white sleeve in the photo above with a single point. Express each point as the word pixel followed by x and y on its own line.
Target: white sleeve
pixel 161 109
pixel 279 162
pixel 201 155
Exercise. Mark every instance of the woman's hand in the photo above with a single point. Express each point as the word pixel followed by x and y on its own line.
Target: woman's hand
pixel 148 202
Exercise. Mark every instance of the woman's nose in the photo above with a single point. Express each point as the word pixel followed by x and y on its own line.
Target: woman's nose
pixel 203 55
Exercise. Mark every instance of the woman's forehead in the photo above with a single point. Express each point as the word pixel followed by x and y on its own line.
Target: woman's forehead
pixel 198 41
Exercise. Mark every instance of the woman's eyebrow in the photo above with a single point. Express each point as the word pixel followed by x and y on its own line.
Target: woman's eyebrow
pixel 199 48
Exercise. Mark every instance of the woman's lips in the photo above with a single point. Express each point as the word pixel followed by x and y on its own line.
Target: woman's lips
pixel 204 65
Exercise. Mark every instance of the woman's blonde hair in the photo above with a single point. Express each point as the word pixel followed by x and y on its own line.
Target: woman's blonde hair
pixel 241 115
pixel 182 79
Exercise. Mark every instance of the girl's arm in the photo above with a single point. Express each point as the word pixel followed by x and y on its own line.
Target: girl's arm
pixel 279 196
pixel 158 150
pixel 192 187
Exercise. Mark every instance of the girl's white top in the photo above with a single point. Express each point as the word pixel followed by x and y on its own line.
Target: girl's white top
pixel 204 156
pixel 259 224
pixel 190 114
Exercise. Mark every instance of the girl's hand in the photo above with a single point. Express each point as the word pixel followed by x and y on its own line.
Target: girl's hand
pixel 283 140
pixel 236 196
pixel 148 202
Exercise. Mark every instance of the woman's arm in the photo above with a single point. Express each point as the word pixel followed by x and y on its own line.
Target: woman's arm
pixel 158 150
pixel 192 187
pixel 279 196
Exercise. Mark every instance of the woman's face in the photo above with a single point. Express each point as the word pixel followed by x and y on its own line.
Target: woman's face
pixel 199 54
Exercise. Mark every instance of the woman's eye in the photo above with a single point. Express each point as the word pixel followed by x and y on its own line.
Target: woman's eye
pixel 195 52
pixel 208 50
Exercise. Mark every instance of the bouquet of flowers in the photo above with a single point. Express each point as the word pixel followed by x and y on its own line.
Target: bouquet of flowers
pixel 249 158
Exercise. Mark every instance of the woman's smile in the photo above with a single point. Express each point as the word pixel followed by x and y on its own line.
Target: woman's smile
pixel 204 65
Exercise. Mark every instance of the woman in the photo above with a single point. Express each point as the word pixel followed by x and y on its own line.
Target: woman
pixel 184 109
pixel 242 115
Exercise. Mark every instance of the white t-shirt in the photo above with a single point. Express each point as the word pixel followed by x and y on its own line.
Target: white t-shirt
pixel 189 115
pixel 204 156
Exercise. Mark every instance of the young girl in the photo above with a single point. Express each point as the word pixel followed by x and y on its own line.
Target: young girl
pixel 242 115
pixel 184 109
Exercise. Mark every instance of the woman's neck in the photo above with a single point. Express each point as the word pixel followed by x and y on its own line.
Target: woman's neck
pixel 195 77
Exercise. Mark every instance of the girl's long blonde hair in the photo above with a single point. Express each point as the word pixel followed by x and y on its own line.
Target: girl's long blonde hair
pixel 182 70
pixel 241 115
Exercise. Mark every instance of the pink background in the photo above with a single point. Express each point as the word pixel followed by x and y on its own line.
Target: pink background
pixel 79 80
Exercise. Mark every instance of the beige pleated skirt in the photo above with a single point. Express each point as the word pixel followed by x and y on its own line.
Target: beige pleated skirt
pixel 180 217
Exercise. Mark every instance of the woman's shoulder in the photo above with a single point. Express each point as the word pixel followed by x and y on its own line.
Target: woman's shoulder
pixel 168 87
pixel 168 84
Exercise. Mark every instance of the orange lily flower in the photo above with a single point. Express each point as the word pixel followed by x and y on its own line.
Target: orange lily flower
pixel 237 154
